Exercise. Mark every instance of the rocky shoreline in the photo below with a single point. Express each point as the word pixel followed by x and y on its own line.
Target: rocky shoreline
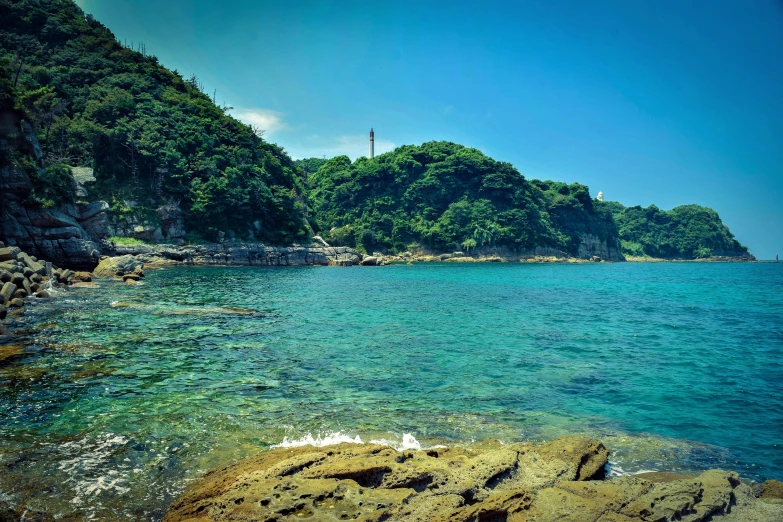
pixel 563 480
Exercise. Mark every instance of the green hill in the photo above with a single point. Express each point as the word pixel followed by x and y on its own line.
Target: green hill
pixel 171 164
pixel 153 137
pixel 443 197
pixel 685 232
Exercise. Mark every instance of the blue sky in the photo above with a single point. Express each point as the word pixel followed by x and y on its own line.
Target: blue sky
pixel 662 102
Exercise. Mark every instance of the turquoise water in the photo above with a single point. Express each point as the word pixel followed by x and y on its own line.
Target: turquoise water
pixel 124 394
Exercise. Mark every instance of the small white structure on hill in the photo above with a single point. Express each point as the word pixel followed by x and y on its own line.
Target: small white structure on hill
pixel 600 196
pixel 372 144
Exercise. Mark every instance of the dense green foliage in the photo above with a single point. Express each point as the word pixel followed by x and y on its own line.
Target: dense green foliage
pixel 151 136
pixel 686 232
pixel 443 196
pixel 310 165
pixel 155 139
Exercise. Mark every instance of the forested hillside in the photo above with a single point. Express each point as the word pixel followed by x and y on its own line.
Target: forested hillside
pixel 174 165
pixel 152 137
pixel 686 232
pixel 443 196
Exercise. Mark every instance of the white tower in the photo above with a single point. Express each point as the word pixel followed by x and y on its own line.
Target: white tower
pixel 372 144
pixel 600 196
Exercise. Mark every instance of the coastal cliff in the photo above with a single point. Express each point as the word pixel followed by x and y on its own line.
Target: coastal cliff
pixel 238 254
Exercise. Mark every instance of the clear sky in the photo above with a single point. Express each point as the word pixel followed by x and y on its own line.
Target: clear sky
pixel 665 102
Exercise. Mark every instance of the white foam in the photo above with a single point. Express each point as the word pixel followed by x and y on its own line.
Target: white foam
pixel 319 441
pixel 615 470
pixel 408 441
pixel 50 289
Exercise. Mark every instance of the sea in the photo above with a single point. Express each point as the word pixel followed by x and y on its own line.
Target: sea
pixel 123 395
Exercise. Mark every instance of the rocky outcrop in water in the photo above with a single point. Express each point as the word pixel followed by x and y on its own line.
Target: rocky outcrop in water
pixel 557 481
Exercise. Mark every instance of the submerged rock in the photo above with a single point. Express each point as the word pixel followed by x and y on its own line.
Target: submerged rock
pixel 211 310
pixel 560 480
pixel 8 351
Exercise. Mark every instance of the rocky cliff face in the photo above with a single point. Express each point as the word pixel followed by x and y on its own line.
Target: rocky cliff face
pixel 67 235
pixel 591 246
pixel 239 254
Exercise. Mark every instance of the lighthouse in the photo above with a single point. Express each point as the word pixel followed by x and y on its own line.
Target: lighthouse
pixel 372 144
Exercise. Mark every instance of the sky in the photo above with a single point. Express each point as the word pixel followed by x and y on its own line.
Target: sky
pixel 651 102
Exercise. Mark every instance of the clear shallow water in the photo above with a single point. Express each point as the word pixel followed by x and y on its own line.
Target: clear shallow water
pixel 126 393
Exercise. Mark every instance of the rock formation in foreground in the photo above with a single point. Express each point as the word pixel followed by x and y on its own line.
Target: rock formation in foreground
pixel 561 480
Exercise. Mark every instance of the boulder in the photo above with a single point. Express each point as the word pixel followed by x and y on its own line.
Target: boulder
pixel 91 210
pixel 131 282
pixel 370 261
pixel 117 266
pixel 3 312
pixel 16 303
pixel 26 286
pixel 134 276
pixel 18 279
pixel 5 276
pixel 42 294
pixel 9 253
pixel 83 277
pixel 33 265
pixel 7 292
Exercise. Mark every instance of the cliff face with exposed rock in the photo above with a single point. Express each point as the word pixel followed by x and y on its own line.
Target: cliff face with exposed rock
pixel 68 234
pixel 238 254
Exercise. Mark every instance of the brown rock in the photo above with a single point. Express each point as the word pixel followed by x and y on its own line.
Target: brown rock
pixel 491 482
pixel 16 303
pixel 131 282
pixel 772 489
pixel 83 277
pixel 370 482
pixel 8 351
pixel 135 277
pixel 113 266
